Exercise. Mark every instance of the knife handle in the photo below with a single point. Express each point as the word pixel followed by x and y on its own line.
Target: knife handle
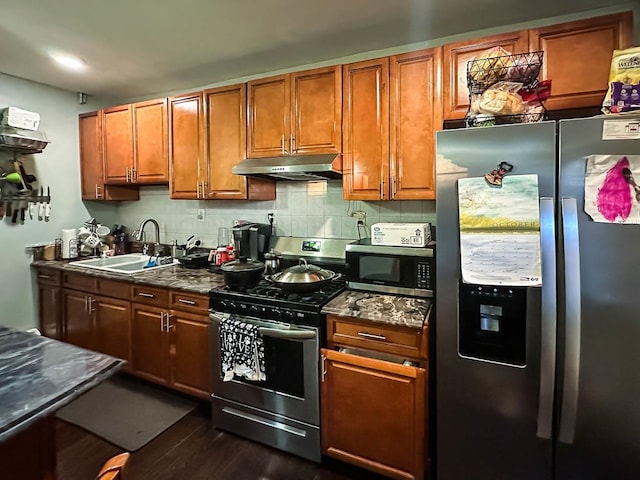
pixel 47 211
pixel 40 211
pixel 14 217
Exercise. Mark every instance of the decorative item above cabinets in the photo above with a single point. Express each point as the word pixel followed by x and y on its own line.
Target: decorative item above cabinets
pixel 392 109
pixel 135 143
pixel 207 138
pixel 295 114
pixel 92 166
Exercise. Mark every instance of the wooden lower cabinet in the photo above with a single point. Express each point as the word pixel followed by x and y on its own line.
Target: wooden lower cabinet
pixel 189 353
pixel 374 414
pixel 150 342
pixel 98 323
pixel 171 347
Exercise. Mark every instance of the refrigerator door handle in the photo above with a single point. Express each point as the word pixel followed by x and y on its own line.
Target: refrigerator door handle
pixel 548 321
pixel 572 320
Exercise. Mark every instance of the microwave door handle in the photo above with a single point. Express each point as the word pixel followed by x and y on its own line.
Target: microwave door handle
pixel 548 324
pixel 288 334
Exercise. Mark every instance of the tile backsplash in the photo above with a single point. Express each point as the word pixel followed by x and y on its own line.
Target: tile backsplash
pixel 311 209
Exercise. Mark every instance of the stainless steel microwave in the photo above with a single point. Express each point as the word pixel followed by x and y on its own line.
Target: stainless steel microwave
pixel 395 270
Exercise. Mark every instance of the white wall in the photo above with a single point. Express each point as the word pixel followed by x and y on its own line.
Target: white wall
pixel 56 167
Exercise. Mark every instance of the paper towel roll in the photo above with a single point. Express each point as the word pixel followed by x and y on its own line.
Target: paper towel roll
pixel 69 243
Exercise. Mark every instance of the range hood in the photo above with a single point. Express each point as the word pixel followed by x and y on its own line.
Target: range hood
pixel 297 168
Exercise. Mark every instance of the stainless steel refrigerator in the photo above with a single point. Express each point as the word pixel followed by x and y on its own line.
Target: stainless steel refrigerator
pixel 569 407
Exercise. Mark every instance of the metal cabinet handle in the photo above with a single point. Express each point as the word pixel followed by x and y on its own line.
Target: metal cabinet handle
pixel 135 174
pixel 186 302
pixel 372 336
pixel 291 144
pixel 91 309
pixel 126 174
pixel 382 190
pixel 282 143
pixel 323 367
pixel 86 307
pixel 44 276
pixel 162 321
pixel 146 295
pixel 548 324
pixel 572 320
pixel 168 320
pixel 393 187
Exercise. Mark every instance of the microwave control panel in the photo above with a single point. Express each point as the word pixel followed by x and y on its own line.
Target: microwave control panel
pixel 424 276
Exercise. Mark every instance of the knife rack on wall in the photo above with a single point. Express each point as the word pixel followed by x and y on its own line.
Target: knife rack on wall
pixel 19 193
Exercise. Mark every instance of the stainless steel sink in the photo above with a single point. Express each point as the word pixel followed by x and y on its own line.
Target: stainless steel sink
pixel 130 263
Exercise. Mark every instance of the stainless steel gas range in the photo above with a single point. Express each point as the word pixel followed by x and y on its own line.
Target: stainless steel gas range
pixel 282 411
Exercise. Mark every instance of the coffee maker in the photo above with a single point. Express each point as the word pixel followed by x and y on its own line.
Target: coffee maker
pixel 252 240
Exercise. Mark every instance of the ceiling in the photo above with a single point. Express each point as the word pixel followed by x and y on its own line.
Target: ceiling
pixel 140 47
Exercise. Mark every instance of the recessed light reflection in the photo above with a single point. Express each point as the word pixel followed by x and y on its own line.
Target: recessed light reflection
pixel 69 62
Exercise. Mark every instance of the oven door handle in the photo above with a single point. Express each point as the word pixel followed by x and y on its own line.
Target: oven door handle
pixel 288 334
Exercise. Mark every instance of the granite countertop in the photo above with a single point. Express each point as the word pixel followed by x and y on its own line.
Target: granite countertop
pixel 199 280
pixel 38 375
pixel 390 309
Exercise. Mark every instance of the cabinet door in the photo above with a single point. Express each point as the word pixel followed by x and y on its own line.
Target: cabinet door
pixel 49 311
pixel 366 130
pixel 577 57
pixel 91 164
pixel 90 132
pixel 149 342
pixel 112 326
pixel 415 116
pixel 117 144
pixel 186 150
pixel 150 142
pixel 226 140
pixel 316 98
pixel 78 328
pixel 269 117
pixel 190 356
pixel 361 398
pixel 456 55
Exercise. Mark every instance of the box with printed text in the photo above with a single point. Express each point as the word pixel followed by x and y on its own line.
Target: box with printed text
pixel 401 234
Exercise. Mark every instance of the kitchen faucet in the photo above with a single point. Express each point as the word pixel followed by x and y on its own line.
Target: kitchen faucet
pixel 139 236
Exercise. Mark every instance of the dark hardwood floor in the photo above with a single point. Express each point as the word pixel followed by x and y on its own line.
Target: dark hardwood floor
pixel 192 449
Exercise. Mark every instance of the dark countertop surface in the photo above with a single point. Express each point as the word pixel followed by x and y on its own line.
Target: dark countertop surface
pixel 177 277
pixel 38 375
pixel 390 309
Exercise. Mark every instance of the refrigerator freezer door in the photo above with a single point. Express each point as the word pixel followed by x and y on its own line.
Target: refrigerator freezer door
pixel 487 413
pixel 605 440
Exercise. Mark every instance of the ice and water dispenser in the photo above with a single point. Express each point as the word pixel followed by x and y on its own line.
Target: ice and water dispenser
pixel 492 323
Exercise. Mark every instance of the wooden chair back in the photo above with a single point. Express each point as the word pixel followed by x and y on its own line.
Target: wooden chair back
pixel 113 469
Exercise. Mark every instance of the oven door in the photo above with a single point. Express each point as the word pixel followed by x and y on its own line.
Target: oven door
pixel 291 355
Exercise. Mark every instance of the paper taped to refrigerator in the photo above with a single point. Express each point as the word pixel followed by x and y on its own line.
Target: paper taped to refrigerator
pixel 612 188
pixel 500 231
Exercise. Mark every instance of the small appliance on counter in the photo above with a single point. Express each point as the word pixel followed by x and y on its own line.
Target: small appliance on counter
pixel 252 240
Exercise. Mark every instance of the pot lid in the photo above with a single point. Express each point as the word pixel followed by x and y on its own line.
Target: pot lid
pixel 304 273
pixel 242 265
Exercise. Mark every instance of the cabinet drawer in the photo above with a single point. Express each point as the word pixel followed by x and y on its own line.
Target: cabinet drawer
pixel 114 288
pixel 397 340
pixel 158 297
pixel 189 302
pixel 48 276
pixel 79 281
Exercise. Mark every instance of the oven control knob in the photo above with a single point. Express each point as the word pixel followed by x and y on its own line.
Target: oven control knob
pixel 287 315
pixel 276 314
pixel 254 309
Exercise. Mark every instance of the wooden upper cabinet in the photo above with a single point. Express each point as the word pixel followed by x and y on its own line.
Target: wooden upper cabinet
pixel 295 114
pixel 150 142
pixel 577 57
pixel 186 147
pixel 316 111
pixel 117 143
pixel 365 130
pixel 415 116
pixel 91 164
pixel 456 56
pixel 269 117
pixel 225 113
